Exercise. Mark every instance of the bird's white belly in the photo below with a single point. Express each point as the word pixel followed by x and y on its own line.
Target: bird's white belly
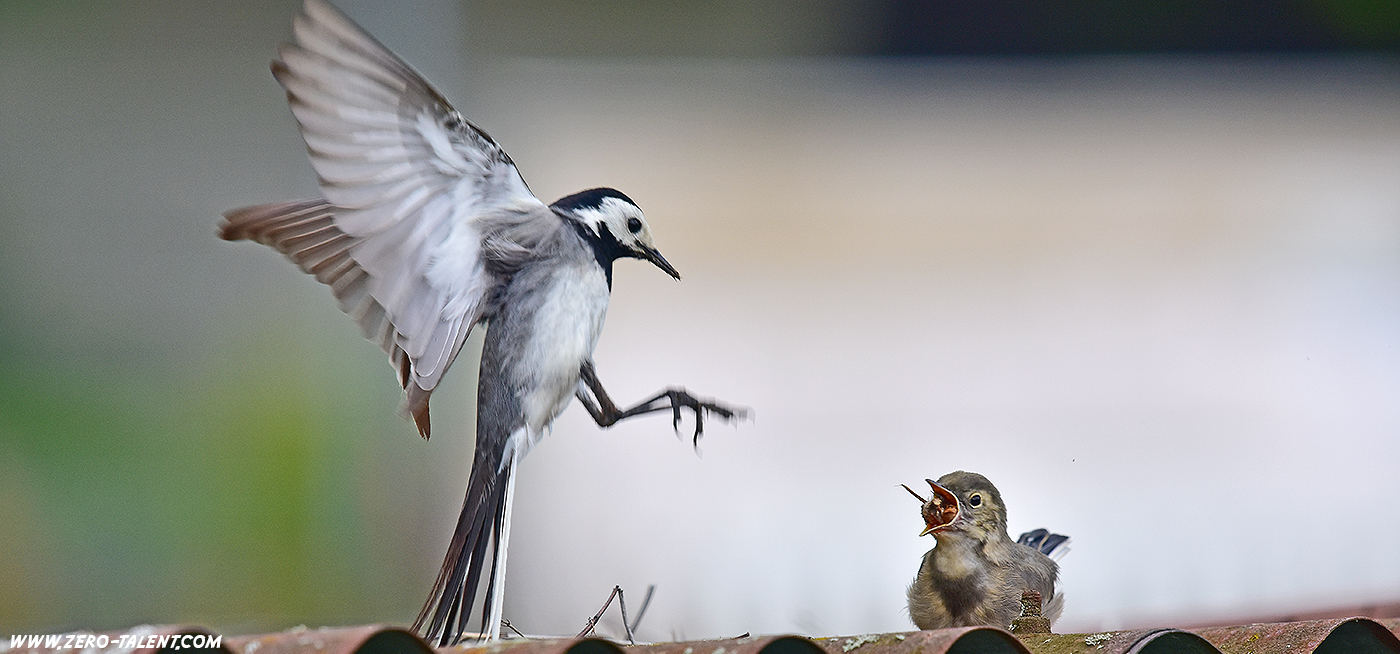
pixel 563 336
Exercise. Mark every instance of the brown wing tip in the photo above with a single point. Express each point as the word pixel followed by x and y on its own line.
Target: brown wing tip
pixel 252 223
pixel 420 418
pixel 416 405
pixel 231 228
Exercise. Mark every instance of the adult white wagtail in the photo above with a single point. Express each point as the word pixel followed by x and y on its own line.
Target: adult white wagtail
pixel 975 575
pixel 427 229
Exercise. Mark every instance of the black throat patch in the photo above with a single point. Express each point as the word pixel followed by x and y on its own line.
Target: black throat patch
pixel 606 248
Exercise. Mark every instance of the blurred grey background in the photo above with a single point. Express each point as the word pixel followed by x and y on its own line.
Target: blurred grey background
pixel 1138 263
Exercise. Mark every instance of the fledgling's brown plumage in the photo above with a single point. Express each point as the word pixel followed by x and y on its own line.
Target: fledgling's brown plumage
pixel 975 574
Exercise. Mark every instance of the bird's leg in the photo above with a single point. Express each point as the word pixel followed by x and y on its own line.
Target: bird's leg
pixel 607 414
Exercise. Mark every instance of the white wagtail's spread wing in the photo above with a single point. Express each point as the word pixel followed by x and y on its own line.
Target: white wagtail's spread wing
pixel 410 186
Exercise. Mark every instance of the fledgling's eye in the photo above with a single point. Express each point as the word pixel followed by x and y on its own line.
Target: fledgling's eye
pixel 634 225
pixel 974 500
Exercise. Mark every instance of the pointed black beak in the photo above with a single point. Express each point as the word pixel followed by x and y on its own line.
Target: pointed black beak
pixel 652 255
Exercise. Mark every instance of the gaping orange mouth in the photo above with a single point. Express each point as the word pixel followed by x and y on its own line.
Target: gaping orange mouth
pixel 940 509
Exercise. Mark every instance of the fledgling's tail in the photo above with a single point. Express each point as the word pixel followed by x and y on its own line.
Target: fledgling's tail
pixel 1041 540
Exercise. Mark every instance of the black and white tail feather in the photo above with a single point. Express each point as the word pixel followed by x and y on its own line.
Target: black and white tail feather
pixel 426 230
pixel 1054 546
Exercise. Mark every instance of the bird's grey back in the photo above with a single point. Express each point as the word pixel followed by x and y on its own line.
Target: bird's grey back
pixel 512 239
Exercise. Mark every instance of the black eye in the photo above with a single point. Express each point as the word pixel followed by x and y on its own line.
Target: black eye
pixel 974 499
pixel 634 225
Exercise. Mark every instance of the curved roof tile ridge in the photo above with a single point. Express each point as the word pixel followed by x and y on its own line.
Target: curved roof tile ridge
pixel 1334 636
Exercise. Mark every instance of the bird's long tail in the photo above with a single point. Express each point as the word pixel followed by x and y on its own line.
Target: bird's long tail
pixel 484 518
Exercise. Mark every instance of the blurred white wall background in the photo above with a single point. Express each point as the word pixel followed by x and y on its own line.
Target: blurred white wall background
pixel 1156 300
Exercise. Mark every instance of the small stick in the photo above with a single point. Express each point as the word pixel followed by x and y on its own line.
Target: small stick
pixel 588 626
pixel 506 623
pixel 593 621
pixel 622 604
pixel 646 601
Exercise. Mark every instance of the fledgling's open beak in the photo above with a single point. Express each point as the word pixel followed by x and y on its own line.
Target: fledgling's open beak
pixel 654 256
pixel 939 510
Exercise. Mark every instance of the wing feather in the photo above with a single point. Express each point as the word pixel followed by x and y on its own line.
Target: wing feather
pixel 411 189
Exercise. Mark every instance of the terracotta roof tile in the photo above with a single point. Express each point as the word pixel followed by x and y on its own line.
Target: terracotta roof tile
pixel 1331 636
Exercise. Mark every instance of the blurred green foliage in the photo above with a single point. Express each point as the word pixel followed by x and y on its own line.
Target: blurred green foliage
pixel 1363 23
pixel 234 495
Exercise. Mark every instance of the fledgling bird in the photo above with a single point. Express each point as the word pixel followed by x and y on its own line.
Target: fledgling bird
pixel 975 574
pixel 426 230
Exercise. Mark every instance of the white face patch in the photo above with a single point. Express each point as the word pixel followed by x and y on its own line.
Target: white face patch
pixel 623 220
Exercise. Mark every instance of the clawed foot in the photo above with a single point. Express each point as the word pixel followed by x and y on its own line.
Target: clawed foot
pixel 680 398
pixel 606 414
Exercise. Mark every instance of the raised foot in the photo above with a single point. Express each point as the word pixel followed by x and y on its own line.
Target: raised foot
pixel 680 398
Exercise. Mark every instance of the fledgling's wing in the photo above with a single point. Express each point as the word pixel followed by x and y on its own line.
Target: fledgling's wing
pixel 1033 570
pixel 410 187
